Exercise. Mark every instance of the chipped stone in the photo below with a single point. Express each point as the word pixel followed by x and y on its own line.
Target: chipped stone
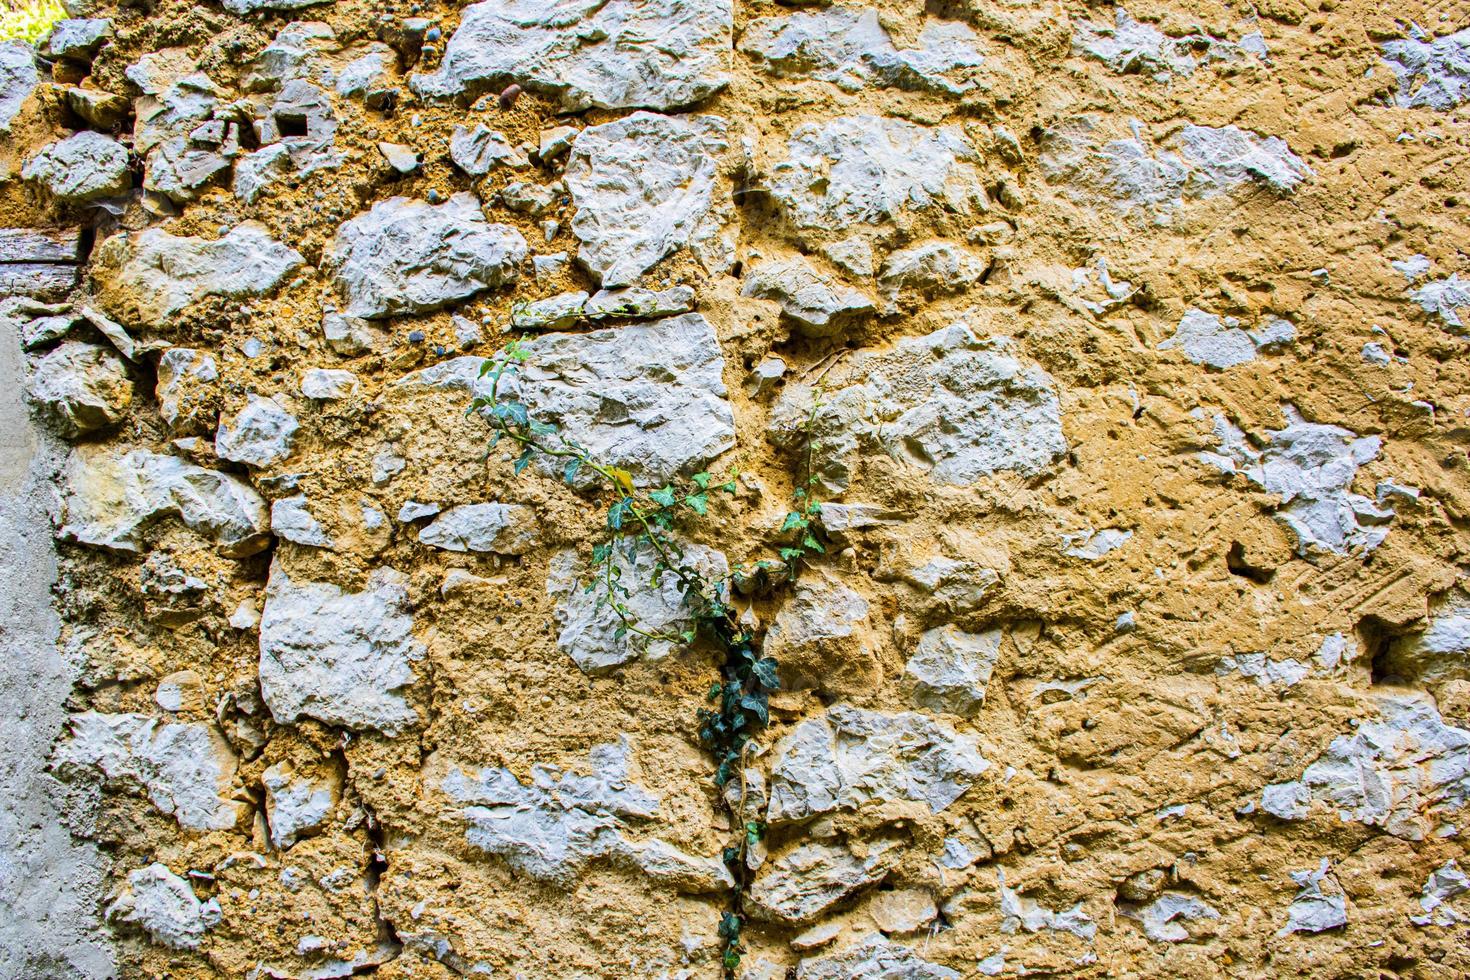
pixel 502 529
pixel 818 304
pixel 1221 342
pixel 1432 73
pixel 874 958
pixel 186 393
pixel 822 638
pixel 82 388
pixel 950 669
pixel 1024 914
pixel 1315 909
pixel 478 151
pixel 165 907
pixel 18 78
pixel 323 384
pixel 297 806
pixel 83 167
pixel 809 879
pixel 259 435
pixel 292 521
pixel 1162 917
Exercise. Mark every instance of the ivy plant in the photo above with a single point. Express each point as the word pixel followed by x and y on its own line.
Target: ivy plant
pixel 737 706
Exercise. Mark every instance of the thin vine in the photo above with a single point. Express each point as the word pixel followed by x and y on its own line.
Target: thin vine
pixel 637 518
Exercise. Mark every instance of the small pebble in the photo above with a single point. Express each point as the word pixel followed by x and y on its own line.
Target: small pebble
pixel 416 337
pixel 509 96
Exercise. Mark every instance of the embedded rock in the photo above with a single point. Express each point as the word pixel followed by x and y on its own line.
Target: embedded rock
pixel 1024 914
pixel 849 47
pixel 82 388
pixel 256 171
pixel 816 303
pixel 297 805
pixel 291 521
pixel 947 403
pixel 871 170
pixel 502 529
pixel 1091 545
pixel 83 167
pixel 109 498
pixel 406 256
pixel 649 397
pixel 822 638
pixel 552 313
pixel 639 304
pixel 1311 467
pixel 809 879
pixel 589 626
pixel 259 435
pixel 1441 652
pixel 621 54
pixel 151 276
pixel 1221 342
pixel 1445 298
pixel 77 38
pixel 950 669
pixel 322 384
pixel 644 186
pixel 848 757
pixel 874 958
pixel 164 906
pixel 18 78
pixel 187 397
pixel 186 770
pixel 1129 46
pixel 1444 883
pixel 180 171
pixel 477 151
pixel 340 657
pixel 1163 916
pixel 1405 771
pixel 1315 909
pixel 554 827
pixel 1432 74
pixel 930 269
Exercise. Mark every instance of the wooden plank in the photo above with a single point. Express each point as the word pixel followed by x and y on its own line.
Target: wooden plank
pixel 40 245
pixel 41 280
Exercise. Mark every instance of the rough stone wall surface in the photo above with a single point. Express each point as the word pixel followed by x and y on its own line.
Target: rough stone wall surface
pixel 1137 338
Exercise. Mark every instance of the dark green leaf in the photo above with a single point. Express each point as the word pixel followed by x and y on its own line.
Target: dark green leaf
pixel 756 705
pixel 617 512
pixel 698 502
pixel 524 460
pixel 664 496
pixel 764 671
pixel 570 472
pixel 793 521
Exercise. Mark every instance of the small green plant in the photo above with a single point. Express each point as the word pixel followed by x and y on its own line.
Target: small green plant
pixel 29 20
pixel 636 518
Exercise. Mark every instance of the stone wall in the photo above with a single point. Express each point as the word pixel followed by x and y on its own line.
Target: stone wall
pixel 1141 645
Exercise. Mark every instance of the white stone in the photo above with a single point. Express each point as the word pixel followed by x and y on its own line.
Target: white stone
pixel 292 521
pixel 1128 46
pixel 870 170
pixel 405 256
pixel 552 313
pixel 81 388
pixel 645 186
pixel 185 389
pixel 634 303
pixel 849 756
pixel 256 171
pixel 1091 545
pixel 589 626
pixel 502 529
pixel 182 690
pixel 1432 73
pixel 1445 298
pixel 818 304
pixel 260 434
pixel 1444 883
pixel 109 497
pixel 297 806
pixel 554 827
pixel 1263 670
pixel 83 167
pixel 950 669
pixel 18 78
pixel 164 905
pixel 77 38
pixel 1311 467
pixel 1442 651
pixel 1315 910
pixel 649 397
pixel 187 770
pixel 1405 771
pixel 618 54
pixel 1221 342
pixel 931 269
pixel 802 883
pixel 323 384
pixel 947 403
pixel 153 276
pixel 1025 914
pixel 874 958
pixel 849 47
pixel 478 151
pixel 1159 916
pixel 821 636
pixel 343 658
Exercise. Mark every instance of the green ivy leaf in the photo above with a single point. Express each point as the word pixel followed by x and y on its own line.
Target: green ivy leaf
pixel 570 472
pixel 701 480
pixel 813 544
pixel 524 460
pixel 698 502
pixel 729 487
pixel 793 521
pixel 714 692
pixel 756 705
pixel 764 671
pixel 664 496
pixel 617 512
pixel 791 554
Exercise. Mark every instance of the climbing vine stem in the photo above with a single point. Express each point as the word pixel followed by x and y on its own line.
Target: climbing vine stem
pixel 640 521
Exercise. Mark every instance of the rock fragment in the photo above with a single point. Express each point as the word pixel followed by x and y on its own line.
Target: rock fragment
pixel 492 528
pixel 874 958
pixel 406 256
pixel 818 305
pixel 298 806
pixel 477 151
pixel 260 434
pixel 644 186
pixel 662 54
pixel 83 167
pixel 82 388
pixel 1433 73
pixel 950 669
pixel 151 276
pixel 1163 917
pixel 187 397
pixel 849 756
pixel 327 385
pixel 1315 908
pixel 187 770
pixel 343 658
pixel 77 38
pixel 1024 914
pixel 18 78
pixel 164 906
pixel 822 638
pixel 809 879
pixel 1221 342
